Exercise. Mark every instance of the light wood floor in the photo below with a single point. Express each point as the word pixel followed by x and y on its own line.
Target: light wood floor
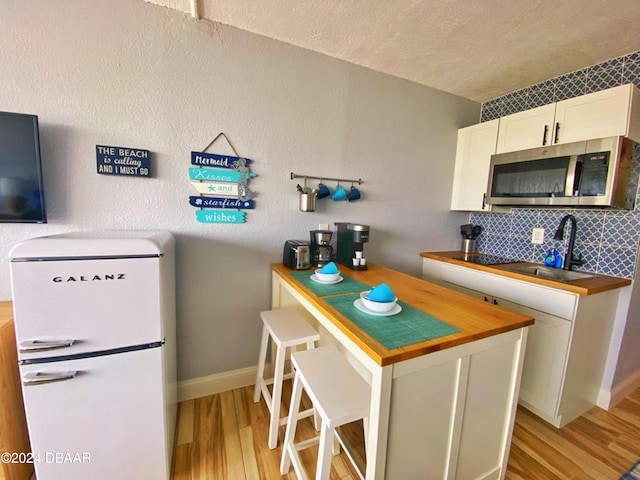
pixel 224 436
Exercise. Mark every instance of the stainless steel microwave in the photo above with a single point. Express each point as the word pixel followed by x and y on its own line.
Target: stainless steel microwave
pixel 589 173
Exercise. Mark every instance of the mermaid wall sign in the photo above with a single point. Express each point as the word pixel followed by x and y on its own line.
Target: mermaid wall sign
pixel 222 182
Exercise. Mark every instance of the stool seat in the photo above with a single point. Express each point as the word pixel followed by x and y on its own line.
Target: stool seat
pixel 338 393
pixel 288 328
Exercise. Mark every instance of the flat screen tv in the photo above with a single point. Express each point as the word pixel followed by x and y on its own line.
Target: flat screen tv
pixel 21 187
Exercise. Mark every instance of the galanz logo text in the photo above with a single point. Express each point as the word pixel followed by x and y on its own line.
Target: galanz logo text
pixel 90 278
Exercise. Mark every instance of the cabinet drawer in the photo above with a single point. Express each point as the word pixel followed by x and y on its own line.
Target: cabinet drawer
pixel 554 302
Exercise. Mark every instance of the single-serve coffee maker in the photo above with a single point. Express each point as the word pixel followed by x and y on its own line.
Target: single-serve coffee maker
pixel 321 249
pixel 350 245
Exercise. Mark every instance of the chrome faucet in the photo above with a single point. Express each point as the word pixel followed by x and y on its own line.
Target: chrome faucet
pixel 569 259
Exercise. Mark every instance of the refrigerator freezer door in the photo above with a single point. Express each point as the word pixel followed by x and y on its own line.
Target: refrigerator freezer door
pixel 85 305
pixel 107 421
pixel 118 243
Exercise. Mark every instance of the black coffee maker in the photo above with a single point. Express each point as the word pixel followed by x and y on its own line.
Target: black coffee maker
pixel 320 246
pixel 351 239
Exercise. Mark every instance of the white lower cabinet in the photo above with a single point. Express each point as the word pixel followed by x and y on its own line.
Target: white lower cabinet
pixel 566 347
pixel 545 359
pixel 463 395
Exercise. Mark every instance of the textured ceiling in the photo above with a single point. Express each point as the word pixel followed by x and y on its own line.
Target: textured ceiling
pixel 478 49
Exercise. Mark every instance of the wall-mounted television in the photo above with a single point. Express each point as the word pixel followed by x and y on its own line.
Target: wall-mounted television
pixel 21 187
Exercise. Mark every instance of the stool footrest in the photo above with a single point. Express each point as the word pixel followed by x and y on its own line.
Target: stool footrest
pixel 303 414
pixel 283 420
pixel 286 376
pixel 307 443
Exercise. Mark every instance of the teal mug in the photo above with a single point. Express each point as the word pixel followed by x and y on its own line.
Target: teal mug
pixel 339 194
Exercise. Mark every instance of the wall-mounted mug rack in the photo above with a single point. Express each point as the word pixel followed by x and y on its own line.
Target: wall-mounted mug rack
pixel 308 195
pixel 315 177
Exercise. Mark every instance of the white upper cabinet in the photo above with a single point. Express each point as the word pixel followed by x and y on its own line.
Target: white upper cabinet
pixel 476 144
pixel 611 112
pixel 528 129
pixel 607 113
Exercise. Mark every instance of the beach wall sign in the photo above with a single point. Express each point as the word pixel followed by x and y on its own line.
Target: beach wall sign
pixel 129 162
pixel 222 182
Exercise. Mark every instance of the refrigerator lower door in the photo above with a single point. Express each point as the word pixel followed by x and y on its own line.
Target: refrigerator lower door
pixel 99 418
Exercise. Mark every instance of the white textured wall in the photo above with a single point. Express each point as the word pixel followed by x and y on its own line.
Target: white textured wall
pixel 127 73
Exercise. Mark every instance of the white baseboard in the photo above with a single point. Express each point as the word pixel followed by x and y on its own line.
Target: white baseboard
pixel 216 383
pixel 609 399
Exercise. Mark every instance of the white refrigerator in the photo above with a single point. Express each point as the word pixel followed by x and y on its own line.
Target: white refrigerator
pixel 95 326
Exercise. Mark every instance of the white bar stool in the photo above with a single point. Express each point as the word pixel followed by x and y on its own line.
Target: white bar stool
pixel 340 396
pixel 287 328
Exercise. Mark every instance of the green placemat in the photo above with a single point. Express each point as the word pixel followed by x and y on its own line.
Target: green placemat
pixel 347 285
pixel 407 327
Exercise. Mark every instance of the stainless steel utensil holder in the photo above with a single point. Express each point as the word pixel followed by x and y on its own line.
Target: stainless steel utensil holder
pixel 468 245
pixel 308 202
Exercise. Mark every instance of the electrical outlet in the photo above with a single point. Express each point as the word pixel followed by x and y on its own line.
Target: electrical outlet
pixel 323 226
pixel 537 236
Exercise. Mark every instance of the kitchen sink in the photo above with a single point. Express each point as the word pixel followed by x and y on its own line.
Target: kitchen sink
pixel 549 273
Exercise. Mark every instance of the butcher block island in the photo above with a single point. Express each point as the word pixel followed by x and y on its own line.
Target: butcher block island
pixel 444 371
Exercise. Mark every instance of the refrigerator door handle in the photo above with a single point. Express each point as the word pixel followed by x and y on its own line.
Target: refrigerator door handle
pixel 29 346
pixel 38 378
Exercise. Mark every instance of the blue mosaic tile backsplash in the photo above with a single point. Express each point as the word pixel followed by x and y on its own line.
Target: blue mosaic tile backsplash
pixel 607 239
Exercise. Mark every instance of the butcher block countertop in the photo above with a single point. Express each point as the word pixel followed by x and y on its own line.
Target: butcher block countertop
pixel 587 286
pixel 474 318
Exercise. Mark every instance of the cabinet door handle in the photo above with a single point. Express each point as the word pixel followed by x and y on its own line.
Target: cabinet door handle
pixel 486 299
pixel 555 137
pixel 495 302
pixel 484 197
pixel 544 134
